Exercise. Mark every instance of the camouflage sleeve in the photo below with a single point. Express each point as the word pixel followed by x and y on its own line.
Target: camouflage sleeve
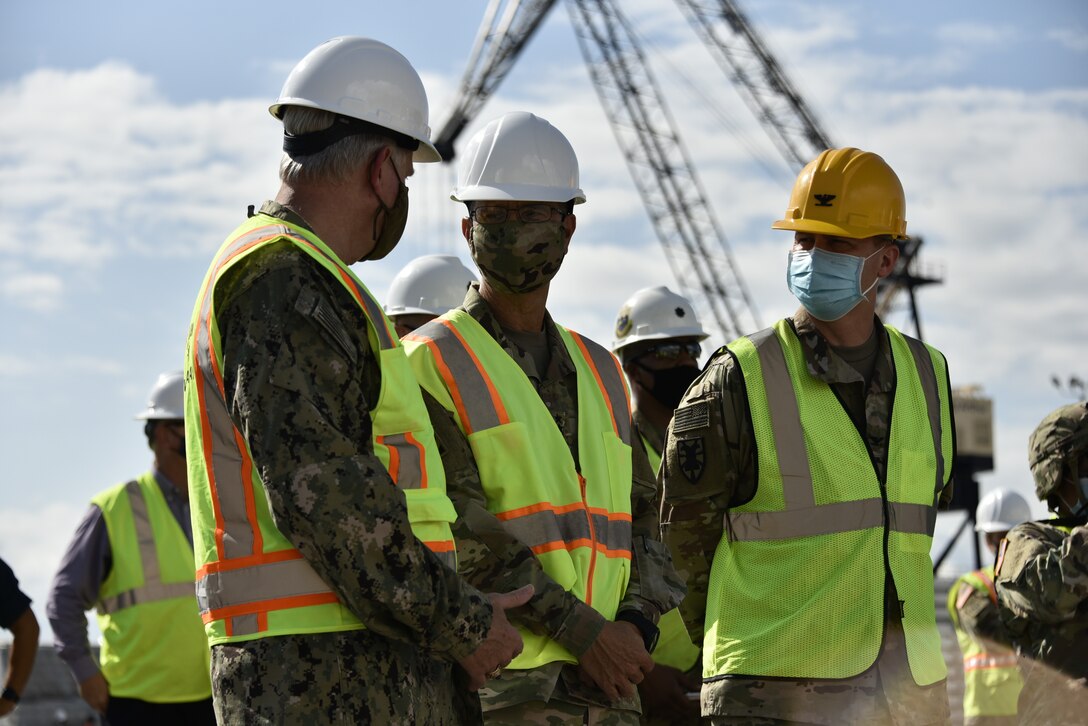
pixel 655 586
pixel 296 363
pixel 979 618
pixel 1042 572
pixel 708 466
pixel 493 560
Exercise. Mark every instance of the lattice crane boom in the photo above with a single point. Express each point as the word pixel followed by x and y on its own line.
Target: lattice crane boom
pixel 661 168
pixel 761 81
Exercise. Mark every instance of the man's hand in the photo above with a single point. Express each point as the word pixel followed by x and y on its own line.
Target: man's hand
pixel 503 642
pixel 96 692
pixel 664 693
pixel 617 661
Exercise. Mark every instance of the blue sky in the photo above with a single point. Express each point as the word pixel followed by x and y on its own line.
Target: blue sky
pixel 133 135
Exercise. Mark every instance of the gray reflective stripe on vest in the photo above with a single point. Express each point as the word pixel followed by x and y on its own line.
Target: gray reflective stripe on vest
pixel 153 588
pixel 611 379
pixel 544 528
pixel 410 467
pixel 469 387
pixel 924 363
pixel 801 517
pixel 258 583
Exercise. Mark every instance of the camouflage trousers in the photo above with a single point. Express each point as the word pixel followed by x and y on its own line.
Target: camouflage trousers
pixel 353 677
pixel 557 713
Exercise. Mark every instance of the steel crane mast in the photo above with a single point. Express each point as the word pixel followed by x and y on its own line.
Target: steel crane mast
pixel 762 83
pixel 659 164
pixel 498 43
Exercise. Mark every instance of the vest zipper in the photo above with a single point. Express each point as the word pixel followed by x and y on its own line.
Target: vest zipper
pixel 592 539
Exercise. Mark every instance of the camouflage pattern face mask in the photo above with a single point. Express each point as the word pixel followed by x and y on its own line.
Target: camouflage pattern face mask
pixel 518 257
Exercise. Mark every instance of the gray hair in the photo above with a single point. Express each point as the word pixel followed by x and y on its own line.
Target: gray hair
pixel 334 163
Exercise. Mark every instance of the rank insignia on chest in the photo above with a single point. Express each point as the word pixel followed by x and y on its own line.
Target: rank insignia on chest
pixel 692 458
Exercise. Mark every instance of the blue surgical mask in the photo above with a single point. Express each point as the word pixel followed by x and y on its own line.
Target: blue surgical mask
pixel 827 284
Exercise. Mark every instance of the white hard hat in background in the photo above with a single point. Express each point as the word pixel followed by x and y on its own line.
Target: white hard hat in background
pixel 655 313
pixel 1000 511
pixel 362 79
pixel 428 285
pixel 518 157
pixel 167 398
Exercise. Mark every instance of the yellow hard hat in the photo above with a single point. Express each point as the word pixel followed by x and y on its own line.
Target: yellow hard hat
pixel 847 193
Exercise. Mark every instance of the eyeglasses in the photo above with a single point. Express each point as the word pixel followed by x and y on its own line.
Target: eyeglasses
pixel 531 213
pixel 672 351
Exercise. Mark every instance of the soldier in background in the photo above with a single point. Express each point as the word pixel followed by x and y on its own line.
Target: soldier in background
pixel 658 341
pixel 990 673
pixel 1042 575
pixel 424 289
pixel 17 617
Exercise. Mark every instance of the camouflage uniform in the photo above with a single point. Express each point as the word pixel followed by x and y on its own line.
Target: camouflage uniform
pixel 1042 584
pixel 487 554
pixel 300 380
pixel 1042 580
pixel 699 492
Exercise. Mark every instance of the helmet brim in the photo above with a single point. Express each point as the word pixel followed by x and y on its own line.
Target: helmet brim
pixel 814 226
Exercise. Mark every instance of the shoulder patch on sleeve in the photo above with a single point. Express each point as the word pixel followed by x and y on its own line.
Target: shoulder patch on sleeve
pixel 692 417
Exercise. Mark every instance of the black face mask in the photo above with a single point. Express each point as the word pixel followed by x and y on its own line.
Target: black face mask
pixel 670 384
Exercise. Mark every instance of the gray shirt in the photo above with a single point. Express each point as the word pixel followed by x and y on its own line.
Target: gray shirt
pixel 85 566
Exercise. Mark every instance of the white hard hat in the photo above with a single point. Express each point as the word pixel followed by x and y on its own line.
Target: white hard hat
pixel 362 79
pixel 1000 511
pixel 428 285
pixel 518 157
pixel 167 398
pixel 655 313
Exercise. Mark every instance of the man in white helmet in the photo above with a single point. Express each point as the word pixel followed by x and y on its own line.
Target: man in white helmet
pixel 131 559
pixel 424 289
pixel 658 342
pixel 535 424
pixel 323 546
pixel 802 474
pixel 990 673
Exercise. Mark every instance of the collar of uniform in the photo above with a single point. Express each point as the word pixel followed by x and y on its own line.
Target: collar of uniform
pixel 275 209
pixel 560 364
pixel 826 365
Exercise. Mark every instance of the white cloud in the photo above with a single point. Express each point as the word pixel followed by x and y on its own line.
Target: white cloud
pixel 34 291
pixel 975 33
pixel 1074 39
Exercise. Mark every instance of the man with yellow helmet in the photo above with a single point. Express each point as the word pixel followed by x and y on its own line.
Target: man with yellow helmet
pixel 808 460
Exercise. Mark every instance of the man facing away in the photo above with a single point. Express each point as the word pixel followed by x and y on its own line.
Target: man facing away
pixel 131 558
pixel 990 673
pixel 807 462
pixel 323 545
pixel 549 488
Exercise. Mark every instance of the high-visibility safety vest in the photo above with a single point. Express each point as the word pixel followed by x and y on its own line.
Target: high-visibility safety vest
pixel 674 646
pixel 798 579
pixel 251 582
pixel 577 521
pixel 153 645
pixel 991 677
